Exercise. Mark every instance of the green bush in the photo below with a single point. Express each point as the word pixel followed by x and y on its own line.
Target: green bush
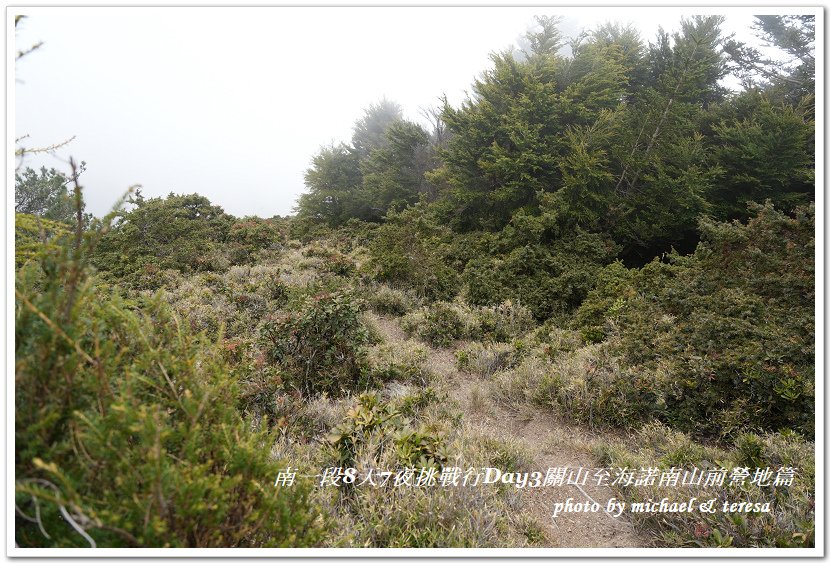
pixel 181 232
pixel 332 260
pixel 249 237
pixel 410 250
pixel 233 302
pixel 613 286
pixel 389 301
pixel 589 386
pixel 731 326
pixel 790 522
pixel 440 324
pixel 443 325
pixel 504 321
pixel 126 427
pixel 722 338
pixel 399 361
pixel 320 346
pixel 550 278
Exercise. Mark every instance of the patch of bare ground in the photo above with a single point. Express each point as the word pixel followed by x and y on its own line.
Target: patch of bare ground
pixel 550 441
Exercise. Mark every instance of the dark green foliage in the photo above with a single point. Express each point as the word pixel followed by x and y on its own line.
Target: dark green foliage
pixel 410 251
pixel 250 236
pixel 333 180
pixel 181 232
pixel 769 154
pixel 606 139
pixel 732 326
pixel 127 422
pixel 44 194
pixel 630 142
pixel 549 278
pixel 612 287
pixel 320 346
pixel 393 175
pixel 665 171
pixel 503 146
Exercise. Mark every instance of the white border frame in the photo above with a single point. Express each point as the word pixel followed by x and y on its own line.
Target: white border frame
pixel 817 551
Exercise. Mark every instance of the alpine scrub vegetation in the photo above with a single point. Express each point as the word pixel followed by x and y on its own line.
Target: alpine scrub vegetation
pixel 608 242
pixel 127 427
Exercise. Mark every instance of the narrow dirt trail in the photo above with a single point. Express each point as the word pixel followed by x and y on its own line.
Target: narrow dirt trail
pixel 551 444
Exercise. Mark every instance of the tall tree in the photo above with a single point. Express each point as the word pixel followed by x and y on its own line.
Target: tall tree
pixel 503 146
pixel 768 153
pixel 333 181
pixel 393 175
pixel 791 78
pixel 370 130
pixel 44 194
pixel 665 170
pixel 545 39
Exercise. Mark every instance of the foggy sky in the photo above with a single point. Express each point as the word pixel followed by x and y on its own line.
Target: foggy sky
pixel 233 103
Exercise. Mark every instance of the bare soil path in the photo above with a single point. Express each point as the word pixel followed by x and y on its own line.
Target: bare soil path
pixel 550 442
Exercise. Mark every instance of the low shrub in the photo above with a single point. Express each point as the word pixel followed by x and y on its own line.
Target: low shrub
pixel 485 360
pixel 127 431
pixel 181 232
pixel 789 523
pixel 520 385
pixel 400 361
pixel 249 237
pixel 376 436
pixel 550 278
pixel 414 399
pixel 589 386
pixel 377 425
pixel 504 321
pixel 553 341
pixel 410 250
pixel 442 323
pixel 731 327
pixel 613 286
pixel 385 300
pixel 320 346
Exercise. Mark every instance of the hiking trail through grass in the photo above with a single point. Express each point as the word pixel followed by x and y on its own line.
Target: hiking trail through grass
pixel 551 443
